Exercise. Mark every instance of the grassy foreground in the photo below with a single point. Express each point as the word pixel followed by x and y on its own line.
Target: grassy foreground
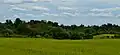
pixel 16 46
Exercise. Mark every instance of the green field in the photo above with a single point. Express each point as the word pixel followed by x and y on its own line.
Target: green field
pixel 104 36
pixel 17 46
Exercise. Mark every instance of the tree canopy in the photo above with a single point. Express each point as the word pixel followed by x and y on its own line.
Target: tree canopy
pixel 43 28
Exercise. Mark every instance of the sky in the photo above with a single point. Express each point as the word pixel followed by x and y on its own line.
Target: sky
pixel 68 12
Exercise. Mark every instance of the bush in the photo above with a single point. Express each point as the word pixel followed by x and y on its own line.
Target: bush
pixel 117 36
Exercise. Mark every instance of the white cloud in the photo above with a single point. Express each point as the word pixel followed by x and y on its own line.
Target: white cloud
pixel 108 12
pixel 46 14
pixel 54 14
pixel 40 8
pixel 106 9
pixel 101 14
pixel 118 16
pixel 25 1
pixel 46 0
pixel 107 1
pixel 31 15
pixel 65 8
pixel 33 7
pixel 70 14
pixel 12 5
pixel 49 14
pixel 13 1
pixel 61 14
pixel 37 1
pixel 17 8
pixel 16 16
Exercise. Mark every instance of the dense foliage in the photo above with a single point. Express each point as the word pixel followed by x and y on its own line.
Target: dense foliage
pixel 49 29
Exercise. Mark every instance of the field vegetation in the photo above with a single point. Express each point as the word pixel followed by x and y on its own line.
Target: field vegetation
pixel 28 46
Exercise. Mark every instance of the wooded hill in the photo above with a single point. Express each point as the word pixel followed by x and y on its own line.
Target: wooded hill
pixel 48 29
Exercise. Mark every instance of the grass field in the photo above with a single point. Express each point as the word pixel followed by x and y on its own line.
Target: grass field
pixel 29 46
pixel 103 35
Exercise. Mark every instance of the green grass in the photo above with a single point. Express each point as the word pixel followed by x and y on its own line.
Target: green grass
pixel 102 35
pixel 17 46
pixel 106 35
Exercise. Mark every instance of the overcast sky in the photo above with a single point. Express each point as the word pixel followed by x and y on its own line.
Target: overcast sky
pixel 88 12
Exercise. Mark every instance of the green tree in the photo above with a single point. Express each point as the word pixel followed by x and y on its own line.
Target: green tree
pixel 7 32
pixel 89 33
pixel 17 22
pixel 9 22
pixel 59 33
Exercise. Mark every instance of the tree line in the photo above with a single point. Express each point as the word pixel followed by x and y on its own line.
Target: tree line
pixel 48 29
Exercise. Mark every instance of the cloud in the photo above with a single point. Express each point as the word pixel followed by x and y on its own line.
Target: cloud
pixel 70 14
pixel 49 14
pixel 60 15
pixel 29 15
pixel 40 8
pixel 101 14
pixel 13 1
pixel 37 1
pixel 25 7
pixel 108 1
pixel 106 9
pixel 24 1
pixel 82 10
pixel 118 16
pixel 65 8
pixel 32 15
pixel 17 8
pixel 106 12
pixel 16 16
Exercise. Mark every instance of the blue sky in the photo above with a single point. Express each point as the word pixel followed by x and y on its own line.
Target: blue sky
pixel 88 12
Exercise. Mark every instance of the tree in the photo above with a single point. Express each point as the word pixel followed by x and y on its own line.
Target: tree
pixel 49 29
pixel 17 22
pixel 55 24
pixel 9 22
pixel 43 21
pixel 23 29
pixel 7 32
pixel 49 22
pixel 81 25
pixel 76 36
pixel 59 33
pixel 89 33
pixel 73 26
pixel 33 31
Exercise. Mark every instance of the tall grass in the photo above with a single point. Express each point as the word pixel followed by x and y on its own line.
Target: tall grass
pixel 28 46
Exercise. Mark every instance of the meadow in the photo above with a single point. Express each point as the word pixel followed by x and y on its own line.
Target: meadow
pixel 32 46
